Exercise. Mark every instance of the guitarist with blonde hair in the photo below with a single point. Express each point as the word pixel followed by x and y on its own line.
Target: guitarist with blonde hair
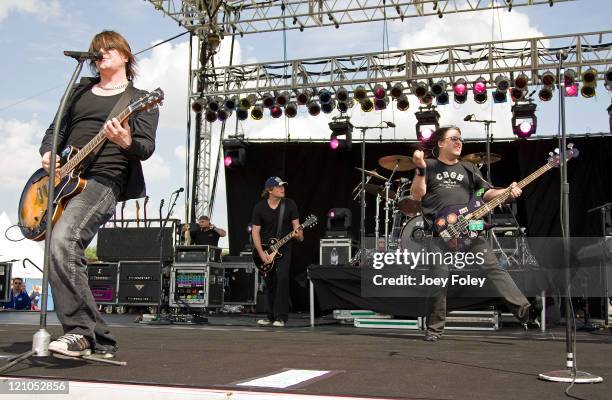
pixel 113 173
pixel 273 217
pixel 447 181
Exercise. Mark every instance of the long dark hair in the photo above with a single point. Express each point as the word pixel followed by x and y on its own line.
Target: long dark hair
pixel 437 136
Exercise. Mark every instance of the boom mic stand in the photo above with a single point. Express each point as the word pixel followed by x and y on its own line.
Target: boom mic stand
pixel 570 374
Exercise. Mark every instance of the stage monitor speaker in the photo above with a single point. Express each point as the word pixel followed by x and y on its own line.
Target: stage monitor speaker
pixel 120 244
pixel 103 278
pixel 139 283
pixel 5 281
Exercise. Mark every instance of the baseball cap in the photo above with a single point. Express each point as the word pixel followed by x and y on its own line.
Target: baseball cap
pixel 274 181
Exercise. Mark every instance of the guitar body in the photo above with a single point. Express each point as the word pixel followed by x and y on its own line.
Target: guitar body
pixel 454 228
pixel 265 268
pixel 32 211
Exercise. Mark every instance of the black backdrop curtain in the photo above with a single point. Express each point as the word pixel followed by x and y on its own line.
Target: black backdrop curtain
pixel 321 179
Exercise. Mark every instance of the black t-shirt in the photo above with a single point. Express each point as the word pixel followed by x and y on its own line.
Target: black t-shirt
pixel 267 218
pixel 449 185
pixel 204 237
pixel 90 112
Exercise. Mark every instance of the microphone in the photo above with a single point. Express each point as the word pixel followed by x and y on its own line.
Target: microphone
pixel 179 190
pixel 390 124
pixel 84 55
pixel 468 117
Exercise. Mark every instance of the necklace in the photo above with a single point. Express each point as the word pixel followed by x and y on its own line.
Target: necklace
pixel 121 86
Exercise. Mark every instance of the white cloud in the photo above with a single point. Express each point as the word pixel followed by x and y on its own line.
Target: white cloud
pixel 40 8
pixel 156 168
pixel 179 152
pixel 19 142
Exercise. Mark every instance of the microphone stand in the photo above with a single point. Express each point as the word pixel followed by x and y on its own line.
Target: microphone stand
pixel 570 374
pixel 42 338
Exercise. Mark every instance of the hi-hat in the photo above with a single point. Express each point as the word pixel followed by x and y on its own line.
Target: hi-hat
pixel 375 189
pixel 404 163
pixel 481 158
pixel 372 173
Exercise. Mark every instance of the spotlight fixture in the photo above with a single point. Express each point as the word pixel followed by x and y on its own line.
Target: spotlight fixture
pixel 427 123
pixel 267 100
pixel 257 112
pixel 198 105
pixel 341 136
pixel 460 91
pixel 246 102
pixel 224 114
pixel 381 104
pixel 234 153
pixel 571 90
pixel 367 105
pixel 379 92
pixel 438 88
pixel 303 97
pixel 328 107
pixel 276 111
pixel 242 113
pixel 589 83
pixel 500 96
pixel 442 99
pixel 420 90
pixel 548 78
pixel 479 89
pixel 339 220
pixel 210 116
pixel 402 103
pixel 214 104
pixel 519 90
pixel 524 120
pixel 569 76
pixel 546 93
pixel 231 103
pixel 325 96
pixel 502 83
pixel 608 78
pixel 360 93
pixel 291 110
pixel 426 100
pixel 314 108
pixel 342 94
pixel 344 106
pixel 397 90
pixel 282 99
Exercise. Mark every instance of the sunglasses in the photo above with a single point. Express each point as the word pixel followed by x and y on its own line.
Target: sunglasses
pixel 454 139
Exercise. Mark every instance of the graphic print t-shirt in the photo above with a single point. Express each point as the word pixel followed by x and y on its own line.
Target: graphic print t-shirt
pixel 449 185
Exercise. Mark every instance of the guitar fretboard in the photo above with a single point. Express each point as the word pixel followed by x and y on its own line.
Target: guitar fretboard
pixel 284 240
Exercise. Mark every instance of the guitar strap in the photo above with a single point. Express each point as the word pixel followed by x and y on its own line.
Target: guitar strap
pixel 281 214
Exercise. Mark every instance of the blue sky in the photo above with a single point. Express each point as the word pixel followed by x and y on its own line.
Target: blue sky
pixel 34 32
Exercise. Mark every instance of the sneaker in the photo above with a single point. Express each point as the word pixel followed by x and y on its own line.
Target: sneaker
pixel 72 345
pixel 106 352
pixel 264 322
pixel 278 323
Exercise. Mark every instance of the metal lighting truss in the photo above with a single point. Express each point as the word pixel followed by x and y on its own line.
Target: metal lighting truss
pixel 531 56
pixel 240 17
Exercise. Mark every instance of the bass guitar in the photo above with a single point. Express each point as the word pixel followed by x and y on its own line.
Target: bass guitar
pixel 458 224
pixel 274 245
pixel 32 213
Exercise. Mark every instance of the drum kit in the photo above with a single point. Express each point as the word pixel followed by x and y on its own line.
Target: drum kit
pixel 403 224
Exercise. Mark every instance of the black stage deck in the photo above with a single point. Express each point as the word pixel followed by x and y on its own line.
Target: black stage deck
pixel 392 364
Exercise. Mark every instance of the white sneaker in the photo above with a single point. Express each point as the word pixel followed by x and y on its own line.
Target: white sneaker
pixel 264 322
pixel 72 345
pixel 278 323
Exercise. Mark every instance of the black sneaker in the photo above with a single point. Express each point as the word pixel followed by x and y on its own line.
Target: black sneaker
pixel 72 345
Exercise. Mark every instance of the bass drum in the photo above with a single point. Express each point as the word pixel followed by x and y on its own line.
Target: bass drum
pixel 413 235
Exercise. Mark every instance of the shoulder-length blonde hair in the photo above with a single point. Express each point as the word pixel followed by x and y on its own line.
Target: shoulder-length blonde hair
pixel 112 40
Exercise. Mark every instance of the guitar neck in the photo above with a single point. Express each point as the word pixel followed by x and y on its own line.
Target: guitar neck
pixel 97 141
pixel 284 240
pixel 490 206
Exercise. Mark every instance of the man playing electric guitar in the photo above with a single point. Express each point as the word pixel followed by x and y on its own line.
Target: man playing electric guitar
pixel 265 226
pixel 115 173
pixel 447 181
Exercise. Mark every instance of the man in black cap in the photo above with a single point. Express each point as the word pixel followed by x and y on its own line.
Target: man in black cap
pixel 268 223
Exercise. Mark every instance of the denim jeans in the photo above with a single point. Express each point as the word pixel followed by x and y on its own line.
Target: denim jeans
pixel 75 306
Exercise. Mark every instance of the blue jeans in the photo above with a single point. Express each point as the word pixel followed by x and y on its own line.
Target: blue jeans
pixel 75 306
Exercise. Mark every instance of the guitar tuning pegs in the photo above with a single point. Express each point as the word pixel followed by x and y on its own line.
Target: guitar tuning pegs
pixel 556 151
pixel 551 154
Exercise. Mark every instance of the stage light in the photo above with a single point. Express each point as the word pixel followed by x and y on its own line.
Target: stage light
pixel 303 97
pixel 291 110
pixel 334 143
pixel 438 88
pixel 589 83
pixel 499 96
pixel 214 104
pixel 546 93
pixel 367 105
pixel 517 94
pixel 442 99
pixel 502 83
pixel 479 89
pixel 569 76
pixel 234 153
pixel 379 91
pixel 427 123
pixel 325 96
pixel 381 104
pixel 397 90
pixel 231 103
pixel 341 136
pixel 282 99
pixel 420 90
pixel 548 78
pixel 198 105
pixel 342 94
pixel 328 107
pixel 257 112
pixel 267 100
pixel 460 91
pixel 314 108
pixel 521 82
pixel 344 106
pixel 360 93
pixel 571 90
pixel 210 116
pixel 224 114
pixel 427 99
pixel 339 219
pixel 242 113
pixel 608 77
pixel 276 111
pixel 248 102
pixel 524 120
pixel 402 103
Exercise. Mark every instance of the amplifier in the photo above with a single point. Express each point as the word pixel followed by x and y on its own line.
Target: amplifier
pixel 197 254
pixel 343 251
pixel 139 271
pixel 103 280
pixel 196 285
pixel 5 281
pixel 241 283
pixel 139 283
pixel 119 244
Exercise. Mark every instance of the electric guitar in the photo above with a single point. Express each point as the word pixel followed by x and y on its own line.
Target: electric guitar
pixel 458 224
pixel 273 246
pixel 33 215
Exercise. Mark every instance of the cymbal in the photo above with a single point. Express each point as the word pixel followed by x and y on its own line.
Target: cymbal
pixel 372 173
pixel 375 189
pixel 404 163
pixel 481 158
pixel 409 206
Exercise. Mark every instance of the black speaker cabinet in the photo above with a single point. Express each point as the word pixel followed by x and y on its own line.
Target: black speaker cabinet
pixel 139 283
pixel 120 244
pixel 103 279
pixel 240 283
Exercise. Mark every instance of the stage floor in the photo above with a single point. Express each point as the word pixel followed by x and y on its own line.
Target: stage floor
pixel 375 363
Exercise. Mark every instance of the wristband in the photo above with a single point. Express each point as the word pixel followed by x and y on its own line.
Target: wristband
pixel 420 171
